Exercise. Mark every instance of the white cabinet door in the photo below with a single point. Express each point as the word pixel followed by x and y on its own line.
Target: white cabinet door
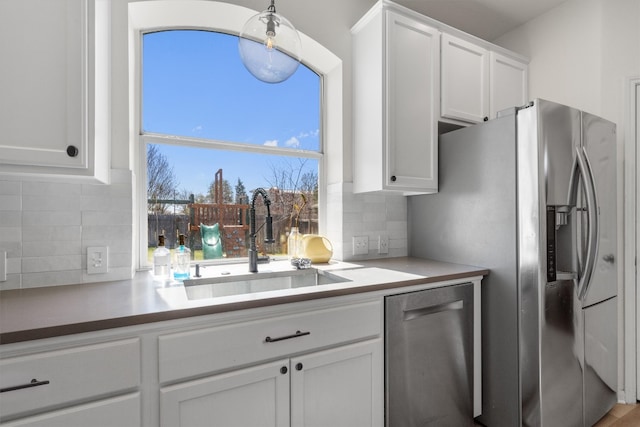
pixel 395 92
pixel 340 387
pixel 412 75
pixel 464 80
pixel 122 411
pixel 256 396
pixel 508 83
pixel 48 113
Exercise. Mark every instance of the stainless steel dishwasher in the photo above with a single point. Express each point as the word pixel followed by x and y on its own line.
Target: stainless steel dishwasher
pixel 429 358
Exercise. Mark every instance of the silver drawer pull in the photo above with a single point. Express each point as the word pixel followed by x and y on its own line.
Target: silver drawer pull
pixel 287 337
pixel 33 383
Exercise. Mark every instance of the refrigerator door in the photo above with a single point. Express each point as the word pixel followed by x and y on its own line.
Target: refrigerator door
pixel 601 354
pixel 599 146
pixel 551 351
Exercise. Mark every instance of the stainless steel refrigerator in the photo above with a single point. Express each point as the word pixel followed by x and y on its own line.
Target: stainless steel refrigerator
pixel 532 196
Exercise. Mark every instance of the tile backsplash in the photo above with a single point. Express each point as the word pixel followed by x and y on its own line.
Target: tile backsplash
pixel 371 215
pixel 46 227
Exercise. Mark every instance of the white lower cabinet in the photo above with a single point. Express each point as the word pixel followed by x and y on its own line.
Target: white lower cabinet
pixel 337 387
pixel 318 365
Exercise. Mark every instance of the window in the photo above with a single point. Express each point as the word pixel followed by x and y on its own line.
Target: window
pixel 150 16
pixel 213 133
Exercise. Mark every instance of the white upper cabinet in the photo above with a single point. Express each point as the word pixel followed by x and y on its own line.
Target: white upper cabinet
pixel 508 82
pixel 409 72
pixel 395 83
pixel 464 80
pixel 54 103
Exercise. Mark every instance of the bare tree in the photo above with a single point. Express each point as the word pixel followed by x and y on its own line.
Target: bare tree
pixel 295 194
pixel 161 181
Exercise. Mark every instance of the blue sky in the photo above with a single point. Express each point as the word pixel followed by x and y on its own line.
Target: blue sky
pixel 195 85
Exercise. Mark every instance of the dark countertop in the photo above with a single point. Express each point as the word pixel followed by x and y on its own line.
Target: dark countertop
pixel 29 314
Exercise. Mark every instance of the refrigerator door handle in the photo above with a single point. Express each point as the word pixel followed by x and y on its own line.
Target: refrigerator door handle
pixel 593 229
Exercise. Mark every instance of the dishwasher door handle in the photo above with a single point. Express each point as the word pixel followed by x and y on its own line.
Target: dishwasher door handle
pixel 432 309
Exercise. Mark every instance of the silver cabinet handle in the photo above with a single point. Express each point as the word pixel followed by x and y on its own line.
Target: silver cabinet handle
pixel 33 383
pixel 287 337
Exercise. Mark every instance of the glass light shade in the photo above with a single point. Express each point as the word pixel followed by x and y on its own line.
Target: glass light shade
pixel 270 47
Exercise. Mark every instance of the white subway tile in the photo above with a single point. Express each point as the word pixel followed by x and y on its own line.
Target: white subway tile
pixel 50 189
pixel 10 188
pixel 13 249
pixel 50 203
pixel 51 263
pixel 10 218
pixel 110 204
pixel 118 273
pixel 10 202
pixel 14 265
pixel 107 233
pixel 52 247
pixel 51 278
pixel 106 218
pixel 10 234
pixel 46 234
pixel 12 282
pixel 47 218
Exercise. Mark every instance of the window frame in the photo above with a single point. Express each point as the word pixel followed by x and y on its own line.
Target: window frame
pixel 151 16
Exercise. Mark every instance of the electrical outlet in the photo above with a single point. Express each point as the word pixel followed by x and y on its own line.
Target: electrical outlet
pixel 383 244
pixel 360 245
pixel 98 260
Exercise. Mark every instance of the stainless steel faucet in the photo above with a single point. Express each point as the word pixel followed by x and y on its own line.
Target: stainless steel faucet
pixel 253 251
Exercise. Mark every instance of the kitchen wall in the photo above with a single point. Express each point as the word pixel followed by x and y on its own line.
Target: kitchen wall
pixel 66 217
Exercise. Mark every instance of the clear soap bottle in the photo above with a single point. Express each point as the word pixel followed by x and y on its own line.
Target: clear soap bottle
pixel 161 262
pixel 293 242
pixel 183 260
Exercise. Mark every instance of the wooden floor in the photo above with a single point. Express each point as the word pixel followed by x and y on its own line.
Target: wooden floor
pixel 621 416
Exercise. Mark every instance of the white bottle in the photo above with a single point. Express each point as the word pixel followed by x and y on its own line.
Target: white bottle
pixel 161 262
pixel 183 260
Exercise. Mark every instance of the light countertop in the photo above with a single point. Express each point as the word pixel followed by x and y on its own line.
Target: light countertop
pixel 28 314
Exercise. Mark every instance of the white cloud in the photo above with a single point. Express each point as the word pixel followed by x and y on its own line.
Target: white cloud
pixel 292 142
pixel 271 143
pixel 312 133
pixel 197 128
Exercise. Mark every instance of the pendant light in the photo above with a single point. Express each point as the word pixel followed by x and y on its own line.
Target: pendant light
pixel 270 46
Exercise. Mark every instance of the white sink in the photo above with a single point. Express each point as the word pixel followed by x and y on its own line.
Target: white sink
pixel 212 287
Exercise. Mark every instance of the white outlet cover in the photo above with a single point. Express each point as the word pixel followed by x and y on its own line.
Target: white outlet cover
pixel 98 260
pixel 383 244
pixel 361 245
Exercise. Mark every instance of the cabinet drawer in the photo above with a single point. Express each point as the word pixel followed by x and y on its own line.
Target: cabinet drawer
pixel 197 352
pixel 73 374
pixel 121 411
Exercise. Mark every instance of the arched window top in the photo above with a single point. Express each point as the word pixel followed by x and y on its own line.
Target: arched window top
pixel 194 85
pixel 148 16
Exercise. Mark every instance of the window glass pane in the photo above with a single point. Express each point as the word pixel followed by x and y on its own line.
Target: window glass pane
pixel 291 182
pixel 195 85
